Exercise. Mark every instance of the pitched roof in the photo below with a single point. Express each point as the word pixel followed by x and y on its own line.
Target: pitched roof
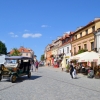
pixel 22 49
pixel 71 33
pixel 90 23
pixel 65 43
pixel 64 37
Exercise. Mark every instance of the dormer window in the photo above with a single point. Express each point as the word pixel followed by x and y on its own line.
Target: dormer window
pixel 22 50
pixel 93 28
pixel 63 41
pixel 81 34
pixel 75 36
pixel 86 32
pixel 66 39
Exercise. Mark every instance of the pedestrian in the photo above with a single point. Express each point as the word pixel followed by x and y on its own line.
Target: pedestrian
pixel 74 72
pixel 32 65
pixel 36 65
pixel 71 70
pixel 48 64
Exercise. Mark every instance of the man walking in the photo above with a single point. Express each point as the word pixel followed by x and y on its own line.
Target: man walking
pixel 71 70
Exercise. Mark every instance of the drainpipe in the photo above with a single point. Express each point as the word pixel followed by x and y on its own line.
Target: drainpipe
pixel 95 41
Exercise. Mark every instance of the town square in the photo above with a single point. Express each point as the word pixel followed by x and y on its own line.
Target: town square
pixel 49 50
pixel 50 84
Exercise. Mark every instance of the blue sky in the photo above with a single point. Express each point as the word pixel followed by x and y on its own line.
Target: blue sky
pixel 35 23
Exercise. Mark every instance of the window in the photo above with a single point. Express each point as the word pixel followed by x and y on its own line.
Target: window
pixel 22 50
pixel 92 45
pixel 63 51
pixel 63 41
pixel 60 52
pixel 75 36
pixel 85 46
pixel 26 54
pixel 79 47
pixel 74 50
pixel 93 28
pixel 67 49
pixel 80 34
pixel 66 39
pixel 86 32
pixel 71 38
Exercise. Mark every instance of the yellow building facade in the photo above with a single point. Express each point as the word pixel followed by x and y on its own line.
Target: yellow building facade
pixel 84 37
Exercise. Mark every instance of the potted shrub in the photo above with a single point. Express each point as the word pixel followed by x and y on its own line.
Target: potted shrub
pixel 97 75
pixel 67 68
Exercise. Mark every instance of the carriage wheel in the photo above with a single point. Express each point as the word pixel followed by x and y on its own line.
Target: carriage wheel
pixel 29 74
pixel 0 77
pixel 13 78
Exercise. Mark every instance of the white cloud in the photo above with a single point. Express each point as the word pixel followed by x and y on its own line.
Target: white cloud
pixel 50 37
pixel 27 35
pixel 44 26
pixel 26 30
pixel 13 34
pixel 67 32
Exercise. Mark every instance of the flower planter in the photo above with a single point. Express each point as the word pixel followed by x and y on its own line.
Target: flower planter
pixel 55 66
pixel 97 77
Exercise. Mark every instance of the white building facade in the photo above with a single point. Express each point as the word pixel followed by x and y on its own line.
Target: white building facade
pixel 65 50
pixel 98 41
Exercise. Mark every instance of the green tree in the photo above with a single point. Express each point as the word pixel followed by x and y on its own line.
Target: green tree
pixel 15 52
pixel 81 51
pixel 3 49
pixel 42 57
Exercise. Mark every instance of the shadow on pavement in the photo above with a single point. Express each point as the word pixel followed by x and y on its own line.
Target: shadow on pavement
pixel 21 79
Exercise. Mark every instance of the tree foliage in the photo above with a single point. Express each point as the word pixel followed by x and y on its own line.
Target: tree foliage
pixel 15 52
pixel 81 51
pixel 3 49
pixel 42 57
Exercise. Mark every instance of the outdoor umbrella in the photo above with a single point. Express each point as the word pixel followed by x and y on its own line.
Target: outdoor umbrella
pixel 78 56
pixel 90 57
pixel 63 62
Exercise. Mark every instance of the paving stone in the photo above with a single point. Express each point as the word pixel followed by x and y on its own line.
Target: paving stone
pixel 51 84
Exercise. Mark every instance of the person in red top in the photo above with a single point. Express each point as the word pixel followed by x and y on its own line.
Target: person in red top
pixel 36 65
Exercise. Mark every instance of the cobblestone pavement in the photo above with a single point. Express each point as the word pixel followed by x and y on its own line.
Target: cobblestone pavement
pixel 50 84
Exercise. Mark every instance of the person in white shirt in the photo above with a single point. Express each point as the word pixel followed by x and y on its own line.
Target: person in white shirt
pixel 74 73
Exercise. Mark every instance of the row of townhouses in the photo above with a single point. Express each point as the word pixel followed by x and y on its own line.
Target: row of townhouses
pixel 86 38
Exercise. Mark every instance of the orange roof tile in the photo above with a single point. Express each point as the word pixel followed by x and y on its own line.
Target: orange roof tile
pixel 22 49
pixel 66 43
